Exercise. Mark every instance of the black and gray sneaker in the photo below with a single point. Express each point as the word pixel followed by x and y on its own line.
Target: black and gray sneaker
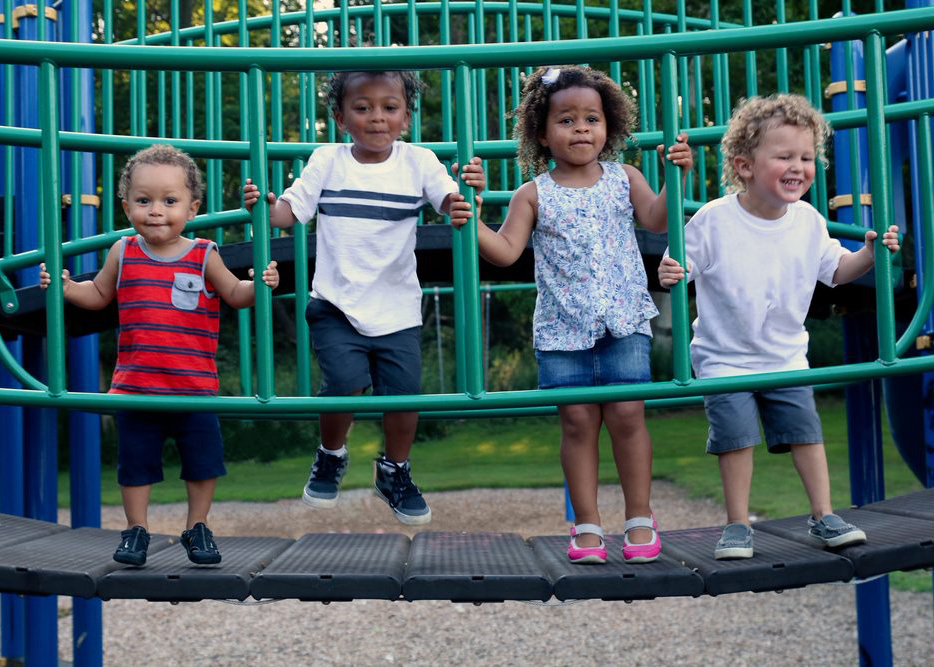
pixel 832 531
pixel 393 483
pixel 735 542
pixel 134 543
pixel 200 546
pixel 324 482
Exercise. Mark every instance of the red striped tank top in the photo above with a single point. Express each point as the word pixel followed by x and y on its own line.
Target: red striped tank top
pixel 169 319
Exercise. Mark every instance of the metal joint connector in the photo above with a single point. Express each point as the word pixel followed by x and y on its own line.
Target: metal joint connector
pixel 839 87
pixel 847 200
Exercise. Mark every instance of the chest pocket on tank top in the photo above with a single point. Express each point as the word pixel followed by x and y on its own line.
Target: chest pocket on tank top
pixel 186 287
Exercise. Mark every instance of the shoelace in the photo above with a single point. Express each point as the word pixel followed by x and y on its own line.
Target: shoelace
pixel 201 539
pixel 327 467
pixel 400 482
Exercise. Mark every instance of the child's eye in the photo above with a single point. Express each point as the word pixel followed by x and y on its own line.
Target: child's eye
pixel 593 119
pixel 391 108
pixel 171 201
pixel 808 158
pixel 142 201
pixel 565 121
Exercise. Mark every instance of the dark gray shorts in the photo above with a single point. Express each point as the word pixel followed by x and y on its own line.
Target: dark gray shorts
pixel 789 417
pixel 350 361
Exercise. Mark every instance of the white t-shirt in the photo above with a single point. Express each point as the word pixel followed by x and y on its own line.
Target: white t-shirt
pixel 755 279
pixel 367 214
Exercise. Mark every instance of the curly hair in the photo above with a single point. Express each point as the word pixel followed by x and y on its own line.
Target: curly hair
pixel 532 113
pixel 757 115
pixel 337 85
pixel 162 154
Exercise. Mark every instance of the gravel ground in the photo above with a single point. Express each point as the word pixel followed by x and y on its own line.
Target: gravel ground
pixel 814 626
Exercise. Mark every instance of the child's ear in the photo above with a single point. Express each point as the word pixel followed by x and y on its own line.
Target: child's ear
pixel 339 119
pixel 126 207
pixel 193 211
pixel 742 165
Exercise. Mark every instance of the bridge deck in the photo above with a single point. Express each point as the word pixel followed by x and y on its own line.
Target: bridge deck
pixel 47 559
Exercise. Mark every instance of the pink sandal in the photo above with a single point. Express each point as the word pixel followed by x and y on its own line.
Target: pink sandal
pixel 586 554
pixel 641 553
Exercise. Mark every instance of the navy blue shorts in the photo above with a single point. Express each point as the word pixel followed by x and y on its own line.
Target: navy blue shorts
pixel 789 417
pixel 350 361
pixel 610 361
pixel 142 435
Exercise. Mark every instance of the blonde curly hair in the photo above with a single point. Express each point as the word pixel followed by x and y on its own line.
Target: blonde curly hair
pixel 754 117
pixel 532 113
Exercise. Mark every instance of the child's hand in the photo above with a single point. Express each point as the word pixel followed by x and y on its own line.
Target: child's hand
pixel 251 196
pixel 889 240
pixel 670 272
pixel 678 153
pixel 460 209
pixel 473 173
pixel 270 275
pixel 45 279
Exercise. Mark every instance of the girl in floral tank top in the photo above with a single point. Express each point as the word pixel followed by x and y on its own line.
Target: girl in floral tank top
pixel 591 324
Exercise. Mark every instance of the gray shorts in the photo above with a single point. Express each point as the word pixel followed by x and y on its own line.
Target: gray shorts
pixel 789 417
pixel 350 361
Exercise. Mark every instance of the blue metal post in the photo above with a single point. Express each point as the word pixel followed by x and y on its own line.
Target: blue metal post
pixel 12 607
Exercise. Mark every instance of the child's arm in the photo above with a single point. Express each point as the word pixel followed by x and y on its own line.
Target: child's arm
pixel 280 212
pixel 454 204
pixel 854 264
pixel 504 247
pixel 236 293
pixel 90 294
pixel 652 210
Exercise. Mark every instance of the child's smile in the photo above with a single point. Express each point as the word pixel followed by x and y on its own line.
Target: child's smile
pixel 374 113
pixel 779 172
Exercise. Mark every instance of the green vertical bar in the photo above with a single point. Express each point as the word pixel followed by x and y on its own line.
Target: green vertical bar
pixel 331 125
pixel 344 24
pixel 546 20
pixel 210 112
pixel 480 74
pixel 257 128
pixel 581 19
pixel 699 122
pixel 616 72
pixel 8 118
pixel 176 77
pixel 820 183
pixel 856 181
pixel 684 92
pixel 464 246
pixel 781 55
pixel 412 22
pixel 752 82
pixel 502 112
pixel 107 109
pixel 141 123
pixel 75 209
pixel 881 191
pixel 514 84
pixel 275 98
pixel 52 220
pixel 649 160
pixel 720 106
pixel 244 315
pixel 190 99
pixel 160 104
pixel 378 23
pixel 675 206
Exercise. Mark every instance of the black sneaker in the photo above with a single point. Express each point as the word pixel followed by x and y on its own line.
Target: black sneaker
pixel 199 543
pixel 324 482
pixel 393 483
pixel 134 543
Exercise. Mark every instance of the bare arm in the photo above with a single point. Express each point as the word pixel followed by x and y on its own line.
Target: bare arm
pixel 855 264
pixel 93 294
pixel 280 212
pixel 236 293
pixel 504 247
pixel 652 210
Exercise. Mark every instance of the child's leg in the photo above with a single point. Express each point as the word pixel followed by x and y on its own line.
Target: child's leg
pixel 736 475
pixel 811 464
pixel 136 505
pixel 335 427
pixel 580 429
pixel 200 496
pixel 632 451
pixel 399 433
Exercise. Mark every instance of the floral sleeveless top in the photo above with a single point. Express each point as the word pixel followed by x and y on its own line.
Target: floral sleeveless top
pixel 588 268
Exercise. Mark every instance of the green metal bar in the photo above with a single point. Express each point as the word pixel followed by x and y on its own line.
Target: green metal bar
pixel 412 23
pixel 752 81
pixel 210 116
pixel 616 72
pixel 514 85
pixel 926 189
pixel 547 20
pixel 881 189
pixel 275 99
pixel 160 104
pixel 679 307
pixel 378 23
pixel 52 221
pixel 812 66
pixel 8 117
pixel 141 124
pixel 649 160
pixel 107 125
pixel 244 347
pixel 74 211
pixel 720 110
pixel 176 76
pixel 580 19
pixel 344 24
pixel 699 122
pixel 781 54
pixel 257 115
pixel 502 111
pixel 466 275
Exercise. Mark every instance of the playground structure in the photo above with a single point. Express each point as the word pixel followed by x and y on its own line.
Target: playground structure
pixel 680 70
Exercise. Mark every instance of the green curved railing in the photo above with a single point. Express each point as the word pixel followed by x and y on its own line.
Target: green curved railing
pixel 463 80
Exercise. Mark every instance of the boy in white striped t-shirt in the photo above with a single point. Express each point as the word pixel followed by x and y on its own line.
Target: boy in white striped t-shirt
pixel 365 307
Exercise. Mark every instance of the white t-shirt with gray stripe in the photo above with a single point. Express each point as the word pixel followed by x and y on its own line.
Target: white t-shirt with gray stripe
pixel 367 214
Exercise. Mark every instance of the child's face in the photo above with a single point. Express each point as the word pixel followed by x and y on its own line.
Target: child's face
pixel 374 113
pixel 575 128
pixel 159 204
pixel 779 172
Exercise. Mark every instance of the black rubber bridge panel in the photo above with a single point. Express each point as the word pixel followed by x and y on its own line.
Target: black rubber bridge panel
pixel 893 542
pixel 616 579
pixel 919 505
pixel 15 529
pixel 69 562
pixel 332 566
pixel 473 567
pixel 778 564
pixel 170 576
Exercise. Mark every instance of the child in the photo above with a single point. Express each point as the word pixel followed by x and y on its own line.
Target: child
pixel 365 306
pixel 591 323
pixel 756 256
pixel 166 288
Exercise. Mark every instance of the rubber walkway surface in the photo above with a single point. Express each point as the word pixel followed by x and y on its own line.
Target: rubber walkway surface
pixel 47 559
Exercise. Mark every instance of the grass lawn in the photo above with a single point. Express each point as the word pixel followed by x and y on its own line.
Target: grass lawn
pixel 524 453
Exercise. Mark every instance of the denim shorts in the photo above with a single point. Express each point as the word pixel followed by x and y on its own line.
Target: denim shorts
pixel 789 417
pixel 350 361
pixel 610 361
pixel 141 438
